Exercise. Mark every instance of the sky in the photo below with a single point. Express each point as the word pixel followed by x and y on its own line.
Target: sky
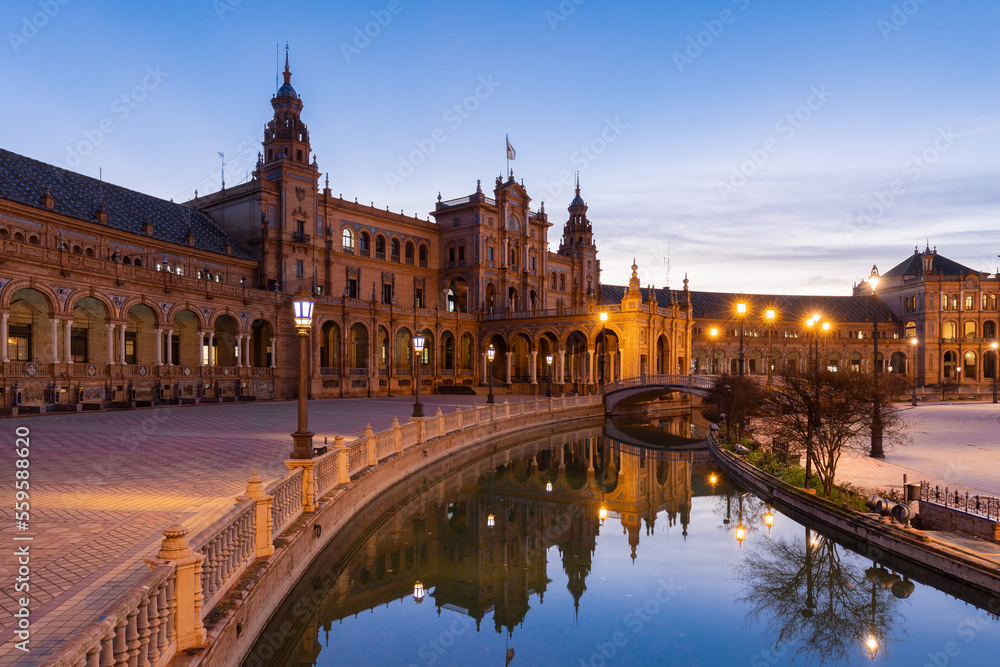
pixel 763 147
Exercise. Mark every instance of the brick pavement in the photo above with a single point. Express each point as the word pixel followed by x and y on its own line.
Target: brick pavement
pixel 103 486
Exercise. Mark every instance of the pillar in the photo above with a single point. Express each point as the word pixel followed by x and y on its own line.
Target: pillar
pixel 201 348
pixel 239 350
pixel 211 348
pixel 591 375
pixel 67 340
pixel 111 343
pixel 265 523
pixel 159 346
pixel 187 592
pixel 561 367
pixel 3 336
pixel 534 367
pixel 121 343
pixel 509 357
pixel 55 341
pixel 274 353
pixel 246 351
pixel 170 347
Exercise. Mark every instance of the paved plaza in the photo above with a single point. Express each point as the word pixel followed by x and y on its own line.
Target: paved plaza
pixel 103 485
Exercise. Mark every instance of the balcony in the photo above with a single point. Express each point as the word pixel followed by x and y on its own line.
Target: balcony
pixel 300 237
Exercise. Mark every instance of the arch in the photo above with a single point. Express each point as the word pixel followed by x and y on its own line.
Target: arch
pixel 33 240
pixel 969 330
pixel 499 365
pixel 562 282
pixel 969 365
pixel 989 364
pixel 364 244
pixel 699 359
pixel 718 361
pixel 490 301
pixel 89 252
pixel 127 261
pixel 755 362
pixel 457 296
pixel 533 300
pixel 394 250
pixel 989 329
pixel 910 329
pixel 261 333
pixel 422 254
pixel 950 329
pixel 898 362
pixel 379 246
pixel 186 325
pixel 448 351
pixel 18 236
pixel 348 237
pixel 513 302
pixel 383 352
pixel 664 362
pixel 358 347
pixel 330 342
pixel 950 364
pixel 575 358
pixel 793 361
pixel 137 262
pixel 140 334
pixel 854 362
pixel 555 281
pixel 4 234
pixel 29 329
pixel 427 357
pixel 520 360
pixel 77 250
pixel 226 329
pixel 89 331
pixel 833 361
pixel 408 253
pixel 465 345
pixel 403 351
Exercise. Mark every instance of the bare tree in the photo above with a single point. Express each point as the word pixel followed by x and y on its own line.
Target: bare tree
pixel 831 410
pixel 739 399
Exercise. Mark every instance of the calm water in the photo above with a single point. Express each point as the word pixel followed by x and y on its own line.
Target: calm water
pixel 514 573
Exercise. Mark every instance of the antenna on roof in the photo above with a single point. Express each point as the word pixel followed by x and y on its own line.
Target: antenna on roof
pixel 277 66
pixel 100 186
pixel 667 260
pixel 222 156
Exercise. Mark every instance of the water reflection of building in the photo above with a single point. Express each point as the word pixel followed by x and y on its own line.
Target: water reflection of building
pixel 480 539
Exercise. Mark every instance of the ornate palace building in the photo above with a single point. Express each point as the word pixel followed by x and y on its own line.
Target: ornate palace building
pixel 110 297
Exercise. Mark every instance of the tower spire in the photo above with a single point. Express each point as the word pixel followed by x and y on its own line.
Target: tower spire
pixel 287 73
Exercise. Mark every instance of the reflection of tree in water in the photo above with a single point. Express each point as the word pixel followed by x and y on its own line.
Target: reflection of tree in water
pixel 821 609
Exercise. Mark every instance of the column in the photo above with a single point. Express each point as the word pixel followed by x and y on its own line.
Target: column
pixel 510 356
pixel 246 352
pixel 534 367
pixel 55 341
pixel 211 348
pixel 239 350
pixel 159 346
pixel 121 343
pixel 3 336
pixel 592 366
pixel 68 338
pixel 561 367
pixel 274 354
pixel 201 348
pixel 111 343
pixel 486 367
pixel 170 347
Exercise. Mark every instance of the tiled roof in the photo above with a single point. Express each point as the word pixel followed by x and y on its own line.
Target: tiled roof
pixel 914 266
pixel 26 181
pixel 722 305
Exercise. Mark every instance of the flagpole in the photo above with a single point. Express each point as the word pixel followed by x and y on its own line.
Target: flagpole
pixel 507 153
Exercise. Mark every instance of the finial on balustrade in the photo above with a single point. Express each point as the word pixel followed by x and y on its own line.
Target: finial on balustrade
pixel 255 486
pixel 338 442
pixel 175 544
pixel 369 431
pixel 395 423
pixel 439 413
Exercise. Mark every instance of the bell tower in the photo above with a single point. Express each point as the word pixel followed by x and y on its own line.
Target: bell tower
pixel 578 243
pixel 286 136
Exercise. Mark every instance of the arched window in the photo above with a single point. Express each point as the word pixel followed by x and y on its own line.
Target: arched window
pixel 562 282
pixel 408 253
pixel 126 261
pixel 137 262
pixel 911 329
pixel 950 364
pixel 379 247
pixel 365 245
pixel 33 240
pixel 950 330
pixel 969 330
pixel 394 250
pixel 989 329
pixel 969 366
pixel 77 250
pixel 89 252
pixel 555 284
pixel 348 240
pixel 422 255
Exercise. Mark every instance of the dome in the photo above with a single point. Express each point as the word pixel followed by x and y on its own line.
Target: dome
pixel 577 200
pixel 286 90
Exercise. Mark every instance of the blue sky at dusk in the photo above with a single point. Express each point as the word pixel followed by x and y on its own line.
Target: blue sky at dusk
pixel 775 146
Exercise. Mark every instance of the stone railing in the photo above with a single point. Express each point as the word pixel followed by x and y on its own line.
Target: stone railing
pixel 700 381
pixel 987 506
pixel 162 615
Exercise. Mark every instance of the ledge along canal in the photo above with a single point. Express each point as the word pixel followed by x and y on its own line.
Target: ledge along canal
pixel 610 544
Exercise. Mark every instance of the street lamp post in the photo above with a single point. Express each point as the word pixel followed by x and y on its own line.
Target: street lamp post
pixel 604 344
pixel 418 348
pixel 769 316
pixel 713 368
pixel 302 439
pixel 810 323
pixel 876 449
pixel 490 353
pixel 548 391
pixel 913 369
pixel 996 368
pixel 741 310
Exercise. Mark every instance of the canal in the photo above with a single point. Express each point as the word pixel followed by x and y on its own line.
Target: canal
pixel 585 548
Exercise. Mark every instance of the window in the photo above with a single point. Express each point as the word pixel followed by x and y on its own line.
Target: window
pixel 555 282
pixel 348 240
pixel 423 255
pixel 451 255
pixel 19 342
pixel 130 347
pixel 532 262
pixel 394 250
pixel 461 253
pixel 993 301
pixel 562 282
pixel 387 293
pixel 954 302
pixel 408 253
pixel 365 244
pixel 299 270
pixel 352 288
pixel 300 227
pixel 418 298
pixel 489 254
pixel 944 302
pixel 379 247
pixel 969 302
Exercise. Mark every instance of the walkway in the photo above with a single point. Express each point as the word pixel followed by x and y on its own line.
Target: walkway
pixel 103 486
pixel 953 444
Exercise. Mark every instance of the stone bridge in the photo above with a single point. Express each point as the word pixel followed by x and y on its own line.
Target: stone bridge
pixel 642 389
